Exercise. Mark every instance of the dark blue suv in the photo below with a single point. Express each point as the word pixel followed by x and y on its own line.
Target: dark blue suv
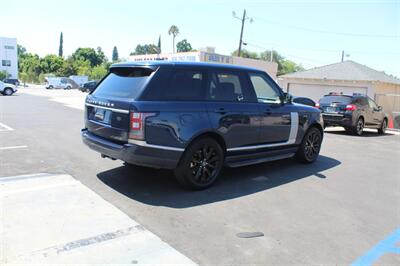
pixel 196 118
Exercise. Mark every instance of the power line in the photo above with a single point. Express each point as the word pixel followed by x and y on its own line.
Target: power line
pixel 329 32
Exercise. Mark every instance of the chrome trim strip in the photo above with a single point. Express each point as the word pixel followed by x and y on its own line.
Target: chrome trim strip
pixel 109 108
pixel 143 143
pixel 294 127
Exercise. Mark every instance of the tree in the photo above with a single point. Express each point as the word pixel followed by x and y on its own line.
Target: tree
pixel 246 54
pixel 159 45
pixel 89 54
pixel 24 78
pixel 289 66
pixel 145 49
pixel 60 48
pixel 4 75
pixel 98 73
pixel 174 31
pixel 51 64
pixel 183 46
pixel 115 54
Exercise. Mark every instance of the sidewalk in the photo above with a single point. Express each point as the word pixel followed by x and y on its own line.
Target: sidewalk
pixel 54 219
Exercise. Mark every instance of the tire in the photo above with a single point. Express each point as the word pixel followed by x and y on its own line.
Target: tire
pixel 310 146
pixel 357 130
pixel 68 88
pixel 382 129
pixel 200 164
pixel 50 87
pixel 8 92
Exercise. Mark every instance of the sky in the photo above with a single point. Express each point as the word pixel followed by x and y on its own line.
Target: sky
pixel 312 33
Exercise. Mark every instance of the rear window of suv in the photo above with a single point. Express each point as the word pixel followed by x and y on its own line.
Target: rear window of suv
pixel 123 82
pixel 335 99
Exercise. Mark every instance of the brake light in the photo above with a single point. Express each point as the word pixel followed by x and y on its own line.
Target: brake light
pixel 317 105
pixel 137 125
pixel 351 107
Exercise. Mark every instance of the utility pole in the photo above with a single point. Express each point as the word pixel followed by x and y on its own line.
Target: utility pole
pixel 342 55
pixel 241 31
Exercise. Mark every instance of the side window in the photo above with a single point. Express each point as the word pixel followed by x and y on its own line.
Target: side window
pixel 226 86
pixel 372 104
pixel 184 85
pixel 265 93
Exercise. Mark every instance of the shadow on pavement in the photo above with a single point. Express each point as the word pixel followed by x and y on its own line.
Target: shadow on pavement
pixel 365 134
pixel 159 188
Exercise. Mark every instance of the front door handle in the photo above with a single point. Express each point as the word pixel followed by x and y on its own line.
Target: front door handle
pixel 221 111
pixel 267 111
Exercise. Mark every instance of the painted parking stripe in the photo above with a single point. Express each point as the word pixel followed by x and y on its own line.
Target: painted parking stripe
pixel 4 127
pixel 13 147
pixel 388 245
pixel 55 219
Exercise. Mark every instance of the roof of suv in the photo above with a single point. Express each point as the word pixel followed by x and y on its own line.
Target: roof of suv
pixel 181 63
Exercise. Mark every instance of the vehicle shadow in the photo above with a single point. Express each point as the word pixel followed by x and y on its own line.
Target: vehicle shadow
pixel 366 134
pixel 159 188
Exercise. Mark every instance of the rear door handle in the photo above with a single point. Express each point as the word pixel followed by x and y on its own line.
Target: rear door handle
pixel 221 111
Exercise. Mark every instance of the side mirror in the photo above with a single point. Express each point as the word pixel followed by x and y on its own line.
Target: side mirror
pixel 379 108
pixel 287 98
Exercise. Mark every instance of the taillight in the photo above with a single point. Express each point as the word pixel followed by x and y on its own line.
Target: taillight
pixel 137 125
pixel 351 107
pixel 317 105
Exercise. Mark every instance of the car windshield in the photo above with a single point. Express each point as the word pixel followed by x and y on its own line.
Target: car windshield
pixel 335 99
pixel 123 82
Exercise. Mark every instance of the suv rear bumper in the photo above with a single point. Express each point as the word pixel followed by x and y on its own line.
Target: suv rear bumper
pixel 342 120
pixel 132 153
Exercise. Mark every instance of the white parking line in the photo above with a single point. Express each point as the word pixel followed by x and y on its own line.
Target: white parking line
pixel 13 147
pixel 4 127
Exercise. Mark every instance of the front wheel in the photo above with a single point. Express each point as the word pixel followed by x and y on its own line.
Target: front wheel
pixel 201 164
pixel 310 146
pixel 8 92
pixel 382 129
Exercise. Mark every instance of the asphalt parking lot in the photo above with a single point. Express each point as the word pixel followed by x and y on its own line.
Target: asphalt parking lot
pixel 332 212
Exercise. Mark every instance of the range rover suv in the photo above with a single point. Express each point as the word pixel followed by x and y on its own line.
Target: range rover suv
pixel 195 118
pixel 353 112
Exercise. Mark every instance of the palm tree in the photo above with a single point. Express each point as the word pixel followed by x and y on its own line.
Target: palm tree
pixel 174 31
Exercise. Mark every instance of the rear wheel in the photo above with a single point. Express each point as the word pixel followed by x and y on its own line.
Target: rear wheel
pixel 358 128
pixel 382 129
pixel 310 146
pixel 201 164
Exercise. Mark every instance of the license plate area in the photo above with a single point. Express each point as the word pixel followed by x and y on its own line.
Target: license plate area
pixel 101 115
pixel 330 109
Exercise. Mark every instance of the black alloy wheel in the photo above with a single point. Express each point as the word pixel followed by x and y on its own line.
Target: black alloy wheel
pixel 201 164
pixel 310 147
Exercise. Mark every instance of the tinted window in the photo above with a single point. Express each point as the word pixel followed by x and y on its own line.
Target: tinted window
pixel 123 82
pixel 226 86
pixel 362 101
pixel 264 91
pixel 335 99
pixel 305 101
pixel 184 85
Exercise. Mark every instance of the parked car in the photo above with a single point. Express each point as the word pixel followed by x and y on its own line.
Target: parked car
pixel 7 89
pixel 89 86
pixel 59 83
pixel 304 100
pixel 353 112
pixel 12 81
pixel 195 118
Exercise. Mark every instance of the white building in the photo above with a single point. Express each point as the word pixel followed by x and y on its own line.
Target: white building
pixel 9 56
pixel 208 55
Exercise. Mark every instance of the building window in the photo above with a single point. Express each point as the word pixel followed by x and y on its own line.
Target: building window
pixel 9 47
pixel 6 63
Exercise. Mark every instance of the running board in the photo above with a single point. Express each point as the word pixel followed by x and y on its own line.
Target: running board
pixel 259 160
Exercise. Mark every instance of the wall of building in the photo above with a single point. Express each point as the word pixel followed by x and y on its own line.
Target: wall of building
pixel 9 56
pixel 315 89
pixel 388 96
